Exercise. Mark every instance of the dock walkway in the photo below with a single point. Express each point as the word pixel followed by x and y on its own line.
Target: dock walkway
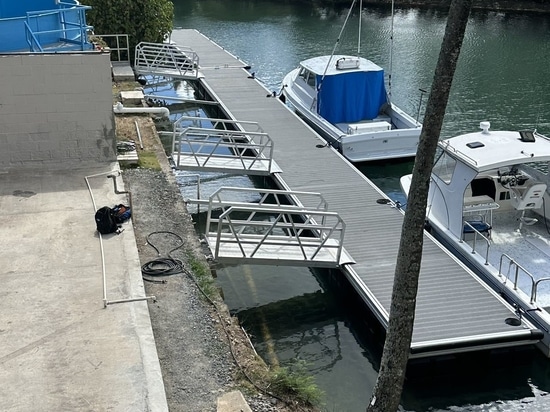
pixel 455 312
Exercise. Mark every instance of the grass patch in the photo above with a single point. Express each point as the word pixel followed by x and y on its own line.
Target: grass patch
pixel 203 276
pixel 148 160
pixel 294 382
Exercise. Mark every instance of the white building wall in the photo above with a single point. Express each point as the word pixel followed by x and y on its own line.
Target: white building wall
pixel 56 110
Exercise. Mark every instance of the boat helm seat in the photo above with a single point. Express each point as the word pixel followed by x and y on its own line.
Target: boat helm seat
pixel 528 197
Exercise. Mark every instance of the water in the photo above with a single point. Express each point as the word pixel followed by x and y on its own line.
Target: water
pixel 290 312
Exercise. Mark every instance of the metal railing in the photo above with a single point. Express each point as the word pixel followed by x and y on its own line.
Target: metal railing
pixel 166 59
pixel 224 198
pixel 476 235
pixel 119 46
pixel 70 18
pixel 274 227
pixel 244 227
pixel 212 149
pixel 106 302
pixel 213 123
pixel 517 271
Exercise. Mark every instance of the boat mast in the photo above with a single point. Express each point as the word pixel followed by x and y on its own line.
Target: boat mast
pixel 337 41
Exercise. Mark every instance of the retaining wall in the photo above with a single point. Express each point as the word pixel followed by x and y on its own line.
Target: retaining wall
pixel 56 110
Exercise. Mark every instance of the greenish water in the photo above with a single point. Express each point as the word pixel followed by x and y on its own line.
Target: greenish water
pixel 296 313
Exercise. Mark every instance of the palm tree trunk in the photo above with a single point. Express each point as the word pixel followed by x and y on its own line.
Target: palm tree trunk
pixel 389 385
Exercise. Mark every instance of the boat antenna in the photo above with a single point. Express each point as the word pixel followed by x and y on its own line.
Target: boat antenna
pixel 391 52
pixel 359 34
pixel 337 42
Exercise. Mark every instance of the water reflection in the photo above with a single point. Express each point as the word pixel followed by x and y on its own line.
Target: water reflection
pixel 301 314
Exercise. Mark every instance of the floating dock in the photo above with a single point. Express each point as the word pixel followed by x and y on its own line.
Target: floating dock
pixel 455 312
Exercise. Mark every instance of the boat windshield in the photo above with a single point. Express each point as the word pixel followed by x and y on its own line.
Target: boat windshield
pixel 308 77
pixel 444 166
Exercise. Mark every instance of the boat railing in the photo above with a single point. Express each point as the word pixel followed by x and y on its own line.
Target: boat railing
pixel 535 288
pixel 516 270
pixel 445 145
pixel 476 235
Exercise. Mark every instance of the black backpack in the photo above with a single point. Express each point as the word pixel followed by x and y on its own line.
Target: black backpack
pixel 105 221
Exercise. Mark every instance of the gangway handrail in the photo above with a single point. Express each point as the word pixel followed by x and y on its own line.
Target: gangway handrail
pixel 292 227
pixel 204 145
pixel 166 58
pixel 218 199
pixel 237 124
pixel 225 139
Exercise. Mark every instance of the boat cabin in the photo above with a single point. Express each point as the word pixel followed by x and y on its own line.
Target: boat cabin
pixel 478 173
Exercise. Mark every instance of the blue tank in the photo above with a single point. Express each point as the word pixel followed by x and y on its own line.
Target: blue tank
pixel 43 26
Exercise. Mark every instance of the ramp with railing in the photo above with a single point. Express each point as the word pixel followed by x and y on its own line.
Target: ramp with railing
pixel 166 59
pixel 218 145
pixel 274 230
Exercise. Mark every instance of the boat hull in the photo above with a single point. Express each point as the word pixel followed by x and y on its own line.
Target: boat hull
pixel 487 273
pixel 392 135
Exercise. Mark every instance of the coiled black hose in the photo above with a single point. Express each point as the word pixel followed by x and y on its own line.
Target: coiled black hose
pixel 162 266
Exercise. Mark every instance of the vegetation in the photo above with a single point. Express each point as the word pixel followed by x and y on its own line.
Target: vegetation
pixel 141 20
pixel 148 160
pixel 295 383
pixel 203 276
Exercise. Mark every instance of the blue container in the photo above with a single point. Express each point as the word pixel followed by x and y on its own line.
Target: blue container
pixel 43 26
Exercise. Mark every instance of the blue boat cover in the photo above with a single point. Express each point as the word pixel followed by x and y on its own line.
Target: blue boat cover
pixel 351 97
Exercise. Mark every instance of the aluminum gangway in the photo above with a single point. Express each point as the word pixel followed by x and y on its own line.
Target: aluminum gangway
pixel 221 145
pixel 166 59
pixel 274 228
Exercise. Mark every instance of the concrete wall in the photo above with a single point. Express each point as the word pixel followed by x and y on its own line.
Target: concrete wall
pixel 56 110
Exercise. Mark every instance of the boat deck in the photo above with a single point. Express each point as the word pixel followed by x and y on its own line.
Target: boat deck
pixel 456 312
pixel 529 247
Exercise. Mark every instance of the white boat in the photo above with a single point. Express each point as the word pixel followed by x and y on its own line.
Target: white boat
pixel 489 203
pixel 344 99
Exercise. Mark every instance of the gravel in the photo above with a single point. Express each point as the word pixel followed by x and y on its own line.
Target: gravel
pixel 197 362
pixel 194 358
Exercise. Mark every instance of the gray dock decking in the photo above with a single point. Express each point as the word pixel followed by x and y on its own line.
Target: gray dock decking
pixel 455 311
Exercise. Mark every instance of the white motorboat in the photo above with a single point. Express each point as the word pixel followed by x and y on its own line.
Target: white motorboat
pixel 344 99
pixel 489 203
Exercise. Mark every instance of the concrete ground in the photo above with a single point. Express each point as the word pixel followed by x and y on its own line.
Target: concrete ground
pixel 60 348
